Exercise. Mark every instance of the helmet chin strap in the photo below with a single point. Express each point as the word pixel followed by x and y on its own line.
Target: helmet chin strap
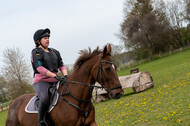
pixel 42 45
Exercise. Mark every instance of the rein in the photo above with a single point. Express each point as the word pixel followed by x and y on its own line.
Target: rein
pixel 91 87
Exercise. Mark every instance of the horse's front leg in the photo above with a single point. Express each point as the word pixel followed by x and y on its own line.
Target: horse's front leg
pixel 93 124
pixel 91 118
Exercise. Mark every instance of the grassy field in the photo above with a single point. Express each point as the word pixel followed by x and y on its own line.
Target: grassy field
pixel 3 116
pixel 167 103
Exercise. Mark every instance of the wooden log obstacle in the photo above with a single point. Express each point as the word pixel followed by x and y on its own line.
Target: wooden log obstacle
pixel 139 82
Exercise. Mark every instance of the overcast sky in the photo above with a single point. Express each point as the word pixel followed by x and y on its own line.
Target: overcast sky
pixel 74 24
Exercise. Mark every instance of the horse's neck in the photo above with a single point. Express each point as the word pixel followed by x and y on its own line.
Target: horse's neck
pixel 79 90
pixel 83 74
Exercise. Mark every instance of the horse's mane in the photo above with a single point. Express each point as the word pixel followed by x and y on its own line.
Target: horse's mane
pixel 85 55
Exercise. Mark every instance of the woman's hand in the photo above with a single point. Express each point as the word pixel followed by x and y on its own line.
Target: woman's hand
pixel 61 79
pixel 58 78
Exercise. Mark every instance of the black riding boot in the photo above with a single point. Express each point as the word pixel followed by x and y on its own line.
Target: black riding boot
pixel 41 114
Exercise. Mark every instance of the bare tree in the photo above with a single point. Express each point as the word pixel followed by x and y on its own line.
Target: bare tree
pixel 3 90
pixel 175 11
pixel 187 14
pixel 16 72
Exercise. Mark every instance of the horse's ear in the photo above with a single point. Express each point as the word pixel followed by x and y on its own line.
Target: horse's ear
pixel 106 51
pixel 109 49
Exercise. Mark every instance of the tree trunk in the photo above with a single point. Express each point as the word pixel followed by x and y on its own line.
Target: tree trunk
pixel 142 82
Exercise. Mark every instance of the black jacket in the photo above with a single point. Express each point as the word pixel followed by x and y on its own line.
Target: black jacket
pixel 50 60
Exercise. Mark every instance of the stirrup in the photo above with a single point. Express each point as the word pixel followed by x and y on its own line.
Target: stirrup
pixel 42 123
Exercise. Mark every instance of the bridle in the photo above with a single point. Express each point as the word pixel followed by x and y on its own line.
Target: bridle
pixel 91 86
pixel 102 73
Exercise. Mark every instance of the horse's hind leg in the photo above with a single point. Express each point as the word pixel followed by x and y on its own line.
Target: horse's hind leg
pixel 12 119
pixel 17 116
pixel 12 116
pixel 12 123
pixel 93 124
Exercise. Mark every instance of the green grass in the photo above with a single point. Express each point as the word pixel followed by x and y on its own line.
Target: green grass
pixel 3 117
pixel 166 104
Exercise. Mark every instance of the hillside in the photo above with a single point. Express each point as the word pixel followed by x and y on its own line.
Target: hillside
pixel 166 104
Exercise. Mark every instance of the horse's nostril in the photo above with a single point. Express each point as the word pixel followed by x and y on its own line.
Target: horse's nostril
pixel 117 95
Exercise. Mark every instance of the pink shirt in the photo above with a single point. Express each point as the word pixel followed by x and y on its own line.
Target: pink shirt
pixel 42 75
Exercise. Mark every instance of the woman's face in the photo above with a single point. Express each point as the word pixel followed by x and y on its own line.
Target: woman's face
pixel 45 41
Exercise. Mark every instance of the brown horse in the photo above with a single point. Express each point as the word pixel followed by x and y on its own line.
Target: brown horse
pixel 74 107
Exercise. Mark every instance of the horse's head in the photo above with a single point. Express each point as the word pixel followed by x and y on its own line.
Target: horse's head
pixel 104 71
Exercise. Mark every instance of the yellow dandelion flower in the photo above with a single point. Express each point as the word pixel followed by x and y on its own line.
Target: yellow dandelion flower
pixel 165 118
pixel 179 120
pixel 121 121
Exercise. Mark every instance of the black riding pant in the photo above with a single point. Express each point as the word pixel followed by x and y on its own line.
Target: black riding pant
pixel 41 89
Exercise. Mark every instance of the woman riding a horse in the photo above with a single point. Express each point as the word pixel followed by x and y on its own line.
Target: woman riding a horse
pixel 45 62
pixel 74 106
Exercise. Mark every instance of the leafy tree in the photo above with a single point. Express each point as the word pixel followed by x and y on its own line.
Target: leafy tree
pixel 155 26
pixel 144 28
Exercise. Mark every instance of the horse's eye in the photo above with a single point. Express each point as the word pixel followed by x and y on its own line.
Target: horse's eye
pixel 108 68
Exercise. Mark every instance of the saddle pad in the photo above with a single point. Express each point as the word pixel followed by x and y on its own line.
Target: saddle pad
pixel 32 108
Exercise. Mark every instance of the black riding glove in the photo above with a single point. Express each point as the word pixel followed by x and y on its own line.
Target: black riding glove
pixel 65 78
pixel 58 78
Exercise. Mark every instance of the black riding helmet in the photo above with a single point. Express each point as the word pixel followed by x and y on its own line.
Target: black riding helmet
pixel 40 34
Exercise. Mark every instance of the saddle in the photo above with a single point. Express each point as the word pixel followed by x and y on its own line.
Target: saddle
pixel 32 106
